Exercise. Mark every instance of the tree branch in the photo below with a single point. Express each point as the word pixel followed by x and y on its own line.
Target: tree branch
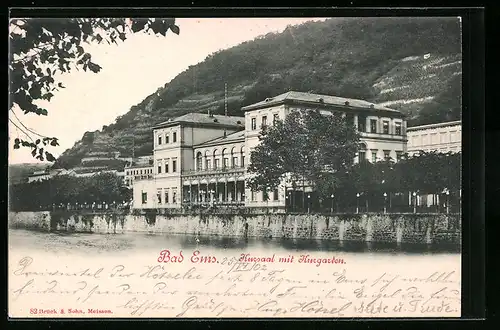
pixel 19 128
pixel 28 129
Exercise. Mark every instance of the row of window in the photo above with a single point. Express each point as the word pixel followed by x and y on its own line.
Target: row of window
pixel 274 195
pixel 139 172
pixel 374 153
pixel 166 164
pixel 165 197
pixel 216 162
pixel 138 177
pixel 263 121
pixel 167 138
pixel 374 126
pixel 159 196
pixel 443 137
pixel 441 150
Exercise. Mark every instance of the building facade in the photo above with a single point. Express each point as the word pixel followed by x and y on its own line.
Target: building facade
pixel 39 176
pixel 140 168
pixel 442 137
pixel 136 172
pixel 201 159
pixel 47 174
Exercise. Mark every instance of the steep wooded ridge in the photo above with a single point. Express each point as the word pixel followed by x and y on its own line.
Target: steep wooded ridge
pixel 411 64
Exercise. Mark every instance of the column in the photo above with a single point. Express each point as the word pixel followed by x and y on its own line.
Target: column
pixel 235 190
pixel 356 121
pixel 190 193
pixel 225 191
pixel 198 197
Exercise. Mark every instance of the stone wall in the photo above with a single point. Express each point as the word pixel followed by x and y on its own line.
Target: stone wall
pixel 401 228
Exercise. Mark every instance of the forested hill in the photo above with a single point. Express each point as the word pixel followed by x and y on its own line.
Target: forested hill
pixel 411 64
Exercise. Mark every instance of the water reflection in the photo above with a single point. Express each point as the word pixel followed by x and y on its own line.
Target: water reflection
pixel 139 241
pixel 310 245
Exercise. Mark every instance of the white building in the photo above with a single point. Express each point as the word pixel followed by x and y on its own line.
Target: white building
pixel 39 176
pixel 201 158
pixel 442 137
pixel 137 172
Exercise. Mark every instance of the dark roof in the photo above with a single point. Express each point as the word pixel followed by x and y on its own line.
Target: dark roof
pixel 234 137
pixel 301 97
pixel 205 120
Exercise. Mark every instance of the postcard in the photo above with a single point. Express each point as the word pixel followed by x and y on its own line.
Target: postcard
pixel 235 167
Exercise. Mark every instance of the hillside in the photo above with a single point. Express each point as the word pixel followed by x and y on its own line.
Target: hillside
pixel 411 64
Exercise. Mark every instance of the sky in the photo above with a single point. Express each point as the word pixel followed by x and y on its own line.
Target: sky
pixel 130 72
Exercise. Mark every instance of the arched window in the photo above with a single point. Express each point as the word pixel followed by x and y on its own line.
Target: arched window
pixel 208 160
pixel 199 161
pixel 216 160
pixel 225 159
pixel 242 157
pixel 234 158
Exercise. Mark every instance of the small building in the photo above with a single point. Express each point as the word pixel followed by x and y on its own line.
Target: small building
pixel 39 176
pixel 47 174
pixel 137 172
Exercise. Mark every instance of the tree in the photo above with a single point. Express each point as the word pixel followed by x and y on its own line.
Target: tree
pixel 451 171
pixel 64 189
pixel 42 48
pixel 308 147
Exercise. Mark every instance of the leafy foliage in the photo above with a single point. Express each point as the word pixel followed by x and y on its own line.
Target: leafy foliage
pixel 311 149
pixel 103 187
pixel 40 49
pixel 423 173
pixel 306 146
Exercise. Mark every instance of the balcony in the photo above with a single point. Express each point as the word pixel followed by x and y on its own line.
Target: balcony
pixel 211 171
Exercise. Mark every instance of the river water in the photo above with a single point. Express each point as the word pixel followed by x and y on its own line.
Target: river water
pixel 84 243
pixel 410 279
